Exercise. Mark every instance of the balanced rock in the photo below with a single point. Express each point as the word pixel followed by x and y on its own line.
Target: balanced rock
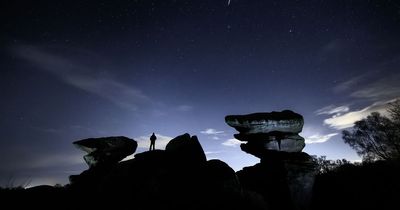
pixel 106 150
pixel 285 121
pixel 269 131
pixel 285 175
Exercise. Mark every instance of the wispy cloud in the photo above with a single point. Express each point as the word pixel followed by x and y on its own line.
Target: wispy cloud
pixel 317 138
pixel 53 160
pixel 313 133
pixel 212 152
pixel 351 83
pixel 375 88
pixel 211 131
pixel 374 85
pixel 331 109
pixel 74 73
pixel 384 88
pixel 347 120
pixel 231 142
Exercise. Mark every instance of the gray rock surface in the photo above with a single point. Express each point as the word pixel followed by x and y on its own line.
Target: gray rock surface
pixel 274 136
pixel 286 121
pixel 106 150
pixel 285 145
pixel 269 131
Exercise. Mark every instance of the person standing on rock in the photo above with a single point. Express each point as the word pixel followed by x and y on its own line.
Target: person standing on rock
pixel 153 142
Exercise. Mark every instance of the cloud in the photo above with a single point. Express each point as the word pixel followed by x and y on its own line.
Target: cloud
pixel 78 75
pixel 384 88
pixel 331 109
pixel 315 134
pixel 377 88
pixel 317 138
pixel 349 84
pixel 231 142
pixel 53 160
pixel 372 85
pixel 212 152
pixel 211 131
pixel 347 120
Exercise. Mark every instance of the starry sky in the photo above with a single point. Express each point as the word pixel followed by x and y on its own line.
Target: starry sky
pixel 77 69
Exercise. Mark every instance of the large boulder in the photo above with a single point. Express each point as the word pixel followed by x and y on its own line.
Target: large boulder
pixel 106 150
pixel 285 121
pixel 186 149
pixel 269 131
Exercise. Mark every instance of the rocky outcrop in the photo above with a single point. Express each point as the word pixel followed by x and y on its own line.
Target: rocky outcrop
pixel 285 175
pixel 179 177
pixel 106 150
pixel 277 131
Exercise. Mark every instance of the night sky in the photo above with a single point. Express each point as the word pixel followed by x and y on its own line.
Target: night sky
pixel 73 70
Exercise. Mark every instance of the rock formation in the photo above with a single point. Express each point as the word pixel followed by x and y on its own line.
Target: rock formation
pixel 106 150
pixel 285 121
pixel 263 132
pixel 285 175
pixel 179 177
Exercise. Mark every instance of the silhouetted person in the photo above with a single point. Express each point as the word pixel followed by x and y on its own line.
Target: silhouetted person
pixel 153 141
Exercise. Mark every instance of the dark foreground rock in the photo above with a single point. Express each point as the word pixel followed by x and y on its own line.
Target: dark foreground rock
pixel 178 177
pixel 157 180
pixel 285 180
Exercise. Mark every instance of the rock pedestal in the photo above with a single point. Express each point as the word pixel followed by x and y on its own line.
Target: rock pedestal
pixel 263 132
pixel 285 174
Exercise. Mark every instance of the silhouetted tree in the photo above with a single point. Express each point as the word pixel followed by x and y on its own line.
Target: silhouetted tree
pixel 325 166
pixel 394 111
pixel 376 137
